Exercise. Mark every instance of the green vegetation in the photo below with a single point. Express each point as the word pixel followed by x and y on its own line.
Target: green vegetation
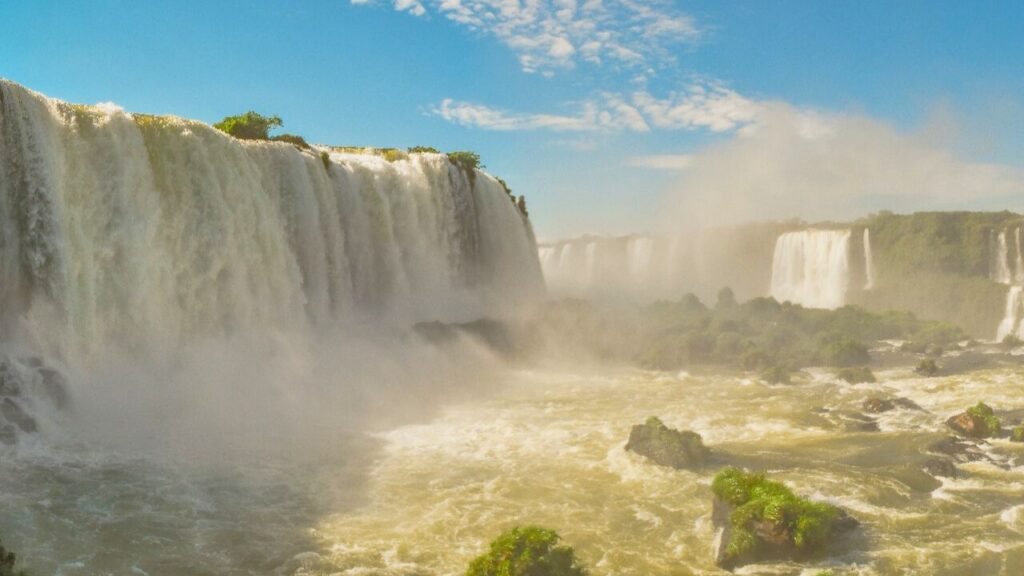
pixel 249 126
pixel 761 506
pixel 762 334
pixel 297 141
pixel 856 375
pixel 505 186
pixel 927 368
pixel 667 447
pixel 526 551
pixel 468 161
pixel 325 158
pixel 423 150
pixel 1017 434
pixel 981 412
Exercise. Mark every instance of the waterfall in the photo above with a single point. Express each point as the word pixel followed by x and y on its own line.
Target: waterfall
pixel 126 229
pixel 1001 260
pixel 1011 324
pixel 812 268
pixel 637 268
pixel 869 262
pixel 1018 274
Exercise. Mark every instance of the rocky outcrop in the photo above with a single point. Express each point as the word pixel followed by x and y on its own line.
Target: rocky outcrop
pixel 667 447
pixel 878 405
pixel 978 421
pixel 759 520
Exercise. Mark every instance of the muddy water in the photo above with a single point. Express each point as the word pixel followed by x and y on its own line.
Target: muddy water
pixel 550 451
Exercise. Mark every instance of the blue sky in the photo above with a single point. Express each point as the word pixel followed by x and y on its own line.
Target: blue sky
pixel 610 115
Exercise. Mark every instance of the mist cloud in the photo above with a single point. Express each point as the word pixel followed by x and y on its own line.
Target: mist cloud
pixel 821 166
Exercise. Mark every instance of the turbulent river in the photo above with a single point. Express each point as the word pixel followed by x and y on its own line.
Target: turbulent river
pixel 547 448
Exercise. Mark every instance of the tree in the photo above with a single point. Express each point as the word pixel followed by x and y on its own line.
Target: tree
pixel 249 126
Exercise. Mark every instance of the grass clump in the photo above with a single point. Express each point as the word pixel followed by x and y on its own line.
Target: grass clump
pixel 526 551
pixel 759 503
pixel 856 375
pixel 293 139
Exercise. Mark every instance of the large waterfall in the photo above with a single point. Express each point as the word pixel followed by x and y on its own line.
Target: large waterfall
pixel 636 268
pixel 1003 272
pixel 127 229
pixel 812 268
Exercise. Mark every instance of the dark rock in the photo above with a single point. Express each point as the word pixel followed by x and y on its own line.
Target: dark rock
pixel 667 447
pixel 14 414
pixel 8 434
pixel 10 384
pixel 940 467
pixel 959 450
pixel 878 405
pixel 7 560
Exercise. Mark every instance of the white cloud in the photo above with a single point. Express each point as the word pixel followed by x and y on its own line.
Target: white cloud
pixel 712 107
pixel 552 35
pixel 608 114
pixel 668 162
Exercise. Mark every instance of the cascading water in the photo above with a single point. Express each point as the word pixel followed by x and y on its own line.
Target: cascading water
pixel 121 229
pixel 1003 273
pixel 631 268
pixel 1011 324
pixel 869 262
pixel 812 268
pixel 1001 260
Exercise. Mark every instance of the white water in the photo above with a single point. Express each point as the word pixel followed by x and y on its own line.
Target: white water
pixel 1003 273
pixel 122 230
pixel 1001 261
pixel 1011 323
pixel 869 262
pixel 632 268
pixel 812 268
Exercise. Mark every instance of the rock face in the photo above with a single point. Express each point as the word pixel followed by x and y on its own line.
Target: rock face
pixel 667 447
pixel 976 422
pixel 26 385
pixel 760 520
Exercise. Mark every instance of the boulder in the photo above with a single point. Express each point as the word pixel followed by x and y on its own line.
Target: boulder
pixel 877 404
pixel 667 447
pixel 978 421
pixel 959 450
pixel 940 467
pixel 759 520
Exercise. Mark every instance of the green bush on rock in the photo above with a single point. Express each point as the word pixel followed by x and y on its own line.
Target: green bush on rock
pixel 1017 434
pixel 526 551
pixel 927 367
pixel 844 351
pixel 667 447
pixel 766 520
pixel 978 421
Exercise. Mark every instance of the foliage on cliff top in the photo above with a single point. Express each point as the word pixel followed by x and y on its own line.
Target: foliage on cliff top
pixel 526 551
pixel 249 126
pixel 756 499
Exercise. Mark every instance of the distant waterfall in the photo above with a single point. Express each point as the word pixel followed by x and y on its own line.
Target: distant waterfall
pixel 869 262
pixel 1000 271
pixel 630 268
pixel 121 228
pixel 1011 324
pixel 812 268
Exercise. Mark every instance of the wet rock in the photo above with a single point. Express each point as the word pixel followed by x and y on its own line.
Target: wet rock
pixel 10 384
pixel 959 450
pixel 8 434
pixel 940 467
pixel 759 520
pixel 667 447
pixel 14 414
pixel 927 368
pixel 55 386
pixel 877 404
pixel 976 422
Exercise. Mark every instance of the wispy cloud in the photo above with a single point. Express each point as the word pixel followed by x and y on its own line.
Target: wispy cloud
pixel 702 105
pixel 667 162
pixel 552 35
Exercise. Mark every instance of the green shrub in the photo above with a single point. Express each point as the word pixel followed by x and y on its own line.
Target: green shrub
pixel 526 551
pixel 856 375
pixel 755 499
pixel 297 141
pixel 927 367
pixel 983 413
pixel 844 351
pixel 466 160
pixel 249 126
pixel 1017 434
pixel 423 150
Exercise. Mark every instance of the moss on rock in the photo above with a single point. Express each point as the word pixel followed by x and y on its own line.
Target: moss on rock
pixel 979 421
pixel 1017 434
pixel 527 551
pixel 763 519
